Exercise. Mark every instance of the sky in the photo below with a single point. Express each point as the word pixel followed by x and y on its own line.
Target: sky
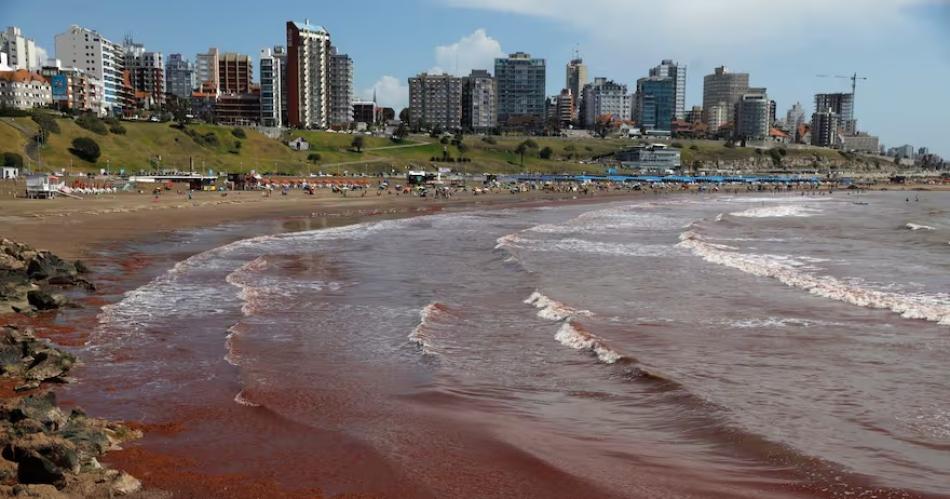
pixel 901 46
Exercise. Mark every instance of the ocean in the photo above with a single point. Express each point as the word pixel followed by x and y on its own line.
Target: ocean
pixel 754 345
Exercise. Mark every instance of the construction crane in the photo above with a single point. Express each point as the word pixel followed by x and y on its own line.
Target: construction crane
pixel 854 84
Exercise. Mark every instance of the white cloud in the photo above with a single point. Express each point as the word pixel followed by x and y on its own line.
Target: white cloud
pixel 475 51
pixel 40 57
pixel 712 26
pixel 390 92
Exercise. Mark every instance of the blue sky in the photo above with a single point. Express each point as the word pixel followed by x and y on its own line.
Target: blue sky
pixel 903 46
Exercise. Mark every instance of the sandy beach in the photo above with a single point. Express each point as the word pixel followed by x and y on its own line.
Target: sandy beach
pixel 71 227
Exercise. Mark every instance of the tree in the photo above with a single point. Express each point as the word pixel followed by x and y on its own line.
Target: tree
pixel 12 159
pixel 570 150
pixel 314 157
pixel 404 115
pixel 179 109
pixel 401 133
pixel 521 149
pixel 92 123
pixel 776 155
pixel 86 149
pixel 463 148
pixel 358 143
pixel 239 133
pixel 546 153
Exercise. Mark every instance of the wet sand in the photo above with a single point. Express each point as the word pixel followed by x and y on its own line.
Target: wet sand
pixel 73 228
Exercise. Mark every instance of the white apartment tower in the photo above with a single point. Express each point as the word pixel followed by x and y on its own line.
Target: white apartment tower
pixel 21 51
pixel 575 80
pixel 206 70
pixel 86 49
pixel 273 63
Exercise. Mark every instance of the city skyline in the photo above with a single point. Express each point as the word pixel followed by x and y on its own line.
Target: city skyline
pixel 461 35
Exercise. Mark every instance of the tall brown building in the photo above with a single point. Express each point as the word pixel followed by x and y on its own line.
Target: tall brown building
pixel 308 75
pixel 235 73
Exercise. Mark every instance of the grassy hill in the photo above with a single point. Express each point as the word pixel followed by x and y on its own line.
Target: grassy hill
pixel 147 146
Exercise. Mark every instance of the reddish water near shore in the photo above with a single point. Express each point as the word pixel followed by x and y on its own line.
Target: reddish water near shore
pixel 651 349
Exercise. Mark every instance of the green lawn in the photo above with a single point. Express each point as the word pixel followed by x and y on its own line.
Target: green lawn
pixel 146 145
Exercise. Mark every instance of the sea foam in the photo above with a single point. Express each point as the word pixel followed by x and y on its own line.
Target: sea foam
pixel 935 308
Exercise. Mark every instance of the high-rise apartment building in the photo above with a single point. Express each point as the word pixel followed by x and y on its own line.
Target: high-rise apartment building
pixel 273 64
pixel 656 102
pixel 521 83
pixel 605 97
pixel 87 50
pixel 179 76
pixel 147 73
pixel 676 72
pixel 752 117
pixel 341 88
pixel 21 51
pixel 841 104
pixel 479 102
pixel 566 109
pixel 575 81
pixel 235 73
pixel 206 71
pixel 795 116
pixel 717 116
pixel 308 75
pixel 824 128
pixel 724 89
pixel 435 100
pixel 72 89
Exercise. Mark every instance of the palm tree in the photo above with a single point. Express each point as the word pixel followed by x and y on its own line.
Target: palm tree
pixel 521 149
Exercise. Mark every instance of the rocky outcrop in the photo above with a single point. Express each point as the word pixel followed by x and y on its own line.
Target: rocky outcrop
pixel 28 278
pixel 31 361
pixel 45 452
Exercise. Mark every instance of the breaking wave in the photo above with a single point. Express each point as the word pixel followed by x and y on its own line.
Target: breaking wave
pixel 553 310
pixel 916 227
pixel 241 399
pixel 420 336
pixel 778 211
pixel 573 335
pixel 513 241
pixel 935 308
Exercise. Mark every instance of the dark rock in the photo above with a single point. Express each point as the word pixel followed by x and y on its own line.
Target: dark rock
pixel 45 265
pixel 41 408
pixel 81 267
pixel 42 300
pixel 25 387
pixel 63 280
pixel 34 468
pixel 49 363
pixel 27 426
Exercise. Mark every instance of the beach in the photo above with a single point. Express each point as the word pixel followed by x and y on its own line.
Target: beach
pixel 532 345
